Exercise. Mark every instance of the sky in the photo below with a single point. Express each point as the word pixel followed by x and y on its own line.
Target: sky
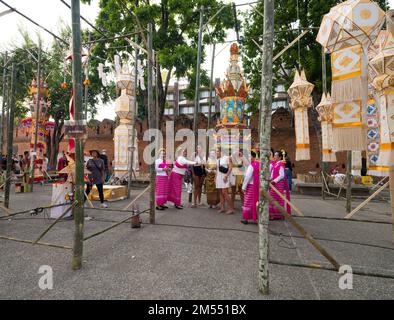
pixel 50 13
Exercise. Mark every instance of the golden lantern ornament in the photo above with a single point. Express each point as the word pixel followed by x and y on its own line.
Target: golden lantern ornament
pixel 300 93
pixel 325 110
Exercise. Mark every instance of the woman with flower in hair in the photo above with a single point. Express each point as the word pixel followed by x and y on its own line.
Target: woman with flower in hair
pixel 250 189
pixel 176 176
pixel 279 181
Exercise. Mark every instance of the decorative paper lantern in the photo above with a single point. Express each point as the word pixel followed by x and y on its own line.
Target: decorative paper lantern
pixel 353 22
pixel 300 94
pixel 325 110
pixel 346 32
pixel 383 65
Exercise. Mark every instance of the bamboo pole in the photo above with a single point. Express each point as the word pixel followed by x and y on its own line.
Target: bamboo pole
pixel 38 105
pixel 135 111
pixel 152 123
pixel 210 96
pixel 298 211
pixel 53 224
pixel 363 204
pixel 303 232
pixel 10 138
pixel 4 94
pixel 265 140
pixel 79 217
pixel 392 196
pixel 349 182
pixel 136 198
pixel 198 67
pixel 111 227
pixel 38 243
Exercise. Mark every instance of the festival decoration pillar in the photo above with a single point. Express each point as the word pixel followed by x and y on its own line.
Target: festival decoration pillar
pixel 39 165
pixel 325 109
pixel 232 92
pixel 346 32
pixel 124 132
pixel 383 66
pixel 300 93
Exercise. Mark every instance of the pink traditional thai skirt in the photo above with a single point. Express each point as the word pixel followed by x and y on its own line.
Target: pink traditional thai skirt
pixel 175 188
pixel 273 211
pixel 249 210
pixel 161 190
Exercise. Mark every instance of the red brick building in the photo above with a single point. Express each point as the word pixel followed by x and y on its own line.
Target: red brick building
pixel 101 135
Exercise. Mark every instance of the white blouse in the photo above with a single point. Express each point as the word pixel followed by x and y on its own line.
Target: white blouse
pixel 182 161
pixel 281 174
pixel 248 179
pixel 159 171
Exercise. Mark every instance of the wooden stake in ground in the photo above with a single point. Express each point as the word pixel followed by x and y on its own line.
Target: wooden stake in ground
pixel 79 157
pixel 265 140
pixel 152 124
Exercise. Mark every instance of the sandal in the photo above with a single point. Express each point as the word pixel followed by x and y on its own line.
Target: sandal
pixel 179 207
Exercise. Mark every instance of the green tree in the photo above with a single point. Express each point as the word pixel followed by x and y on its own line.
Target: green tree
pixel 311 14
pixel 175 25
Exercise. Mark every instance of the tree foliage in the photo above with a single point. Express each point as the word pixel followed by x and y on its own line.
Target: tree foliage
pixel 175 28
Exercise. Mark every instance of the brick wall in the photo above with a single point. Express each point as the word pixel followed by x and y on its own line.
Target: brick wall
pixel 100 136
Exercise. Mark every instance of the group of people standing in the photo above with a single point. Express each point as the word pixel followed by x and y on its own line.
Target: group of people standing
pixel 223 177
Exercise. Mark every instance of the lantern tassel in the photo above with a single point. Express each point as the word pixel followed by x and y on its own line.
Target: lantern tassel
pixel 349 138
pixel 347 89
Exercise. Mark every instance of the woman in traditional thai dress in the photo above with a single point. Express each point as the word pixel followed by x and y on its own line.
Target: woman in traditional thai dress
pixel 279 181
pixel 198 176
pixel 162 174
pixel 288 168
pixel 210 183
pixel 223 182
pixel 250 188
pixel 239 164
pixel 176 176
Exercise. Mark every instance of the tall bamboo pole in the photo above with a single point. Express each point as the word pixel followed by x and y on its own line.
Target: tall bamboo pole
pixel 349 182
pixel 198 70
pixel 134 113
pixel 79 115
pixel 86 78
pixel 11 110
pixel 39 84
pixel 265 140
pixel 323 164
pixel 392 196
pixel 210 95
pixel 152 123
pixel 4 93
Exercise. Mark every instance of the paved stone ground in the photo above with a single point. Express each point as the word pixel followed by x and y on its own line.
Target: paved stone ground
pixel 171 260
